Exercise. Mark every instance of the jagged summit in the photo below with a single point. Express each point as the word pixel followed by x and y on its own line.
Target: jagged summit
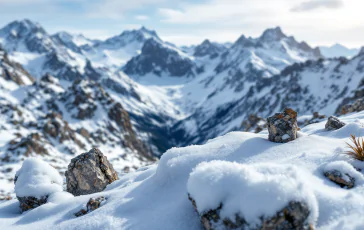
pixel 208 48
pixel 128 37
pixel 160 59
pixel 22 29
pixel 272 34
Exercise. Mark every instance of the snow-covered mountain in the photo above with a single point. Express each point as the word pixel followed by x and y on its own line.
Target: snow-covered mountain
pixel 338 50
pixel 136 96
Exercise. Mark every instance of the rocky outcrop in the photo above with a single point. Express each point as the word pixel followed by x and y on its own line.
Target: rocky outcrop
pixel 33 143
pixel 159 59
pixel 333 123
pixel 316 118
pixel 293 216
pixel 89 173
pixel 343 180
pixel 283 127
pixel 357 106
pixel 59 129
pixel 28 203
pixel 254 124
pixel 121 118
pixel 13 71
pixel 92 204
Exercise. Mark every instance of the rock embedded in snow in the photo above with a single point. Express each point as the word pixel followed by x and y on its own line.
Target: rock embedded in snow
pixel 333 123
pixel 357 106
pixel 283 127
pixel 35 182
pixel 344 180
pixel 92 204
pixel 89 173
pixel 343 174
pixel 294 216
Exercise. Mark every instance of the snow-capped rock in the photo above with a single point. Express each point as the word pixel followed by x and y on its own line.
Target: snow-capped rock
pixel 35 182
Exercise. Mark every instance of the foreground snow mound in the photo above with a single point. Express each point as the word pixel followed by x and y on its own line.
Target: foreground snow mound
pixel 156 197
pixel 252 191
pixel 37 179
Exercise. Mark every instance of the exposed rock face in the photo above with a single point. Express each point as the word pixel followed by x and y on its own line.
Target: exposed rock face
pixel 89 173
pixel 92 204
pixel 343 180
pixel 13 71
pixel 293 216
pixel 357 106
pixel 158 59
pixel 254 124
pixel 283 127
pixel 57 128
pixel 33 143
pixel 28 203
pixel 121 117
pixel 333 123
pixel 208 49
pixel 316 118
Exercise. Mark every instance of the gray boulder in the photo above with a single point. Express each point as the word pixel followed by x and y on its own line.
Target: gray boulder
pixel 89 173
pixel 333 123
pixel 282 127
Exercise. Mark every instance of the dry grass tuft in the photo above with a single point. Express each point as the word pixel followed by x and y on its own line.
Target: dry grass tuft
pixel 357 148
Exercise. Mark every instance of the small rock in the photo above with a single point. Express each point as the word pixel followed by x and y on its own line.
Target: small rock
pixel 282 127
pixel 343 180
pixel 333 123
pixel 29 202
pixel 92 204
pixel 293 216
pixel 89 173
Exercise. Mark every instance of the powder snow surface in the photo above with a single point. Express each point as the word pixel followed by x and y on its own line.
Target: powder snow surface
pixel 156 197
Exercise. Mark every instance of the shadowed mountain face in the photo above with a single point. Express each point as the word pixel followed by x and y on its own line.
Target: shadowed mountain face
pixel 135 95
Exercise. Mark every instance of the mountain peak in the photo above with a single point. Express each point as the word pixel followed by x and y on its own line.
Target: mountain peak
pixel 24 24
pixel 273 34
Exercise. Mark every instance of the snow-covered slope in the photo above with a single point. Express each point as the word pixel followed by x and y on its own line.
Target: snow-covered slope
pixel 156 197
pixel 338 50
pixel 57 121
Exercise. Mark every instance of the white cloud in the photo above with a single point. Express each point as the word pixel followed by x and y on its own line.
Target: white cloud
pixel 320 26
pixel 141 17
pixel 316 4
pixel 116 9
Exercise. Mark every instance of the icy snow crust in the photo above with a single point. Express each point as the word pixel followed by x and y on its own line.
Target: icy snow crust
pixel 156 197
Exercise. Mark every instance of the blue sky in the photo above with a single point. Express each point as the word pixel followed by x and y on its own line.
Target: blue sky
pixel 319 22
